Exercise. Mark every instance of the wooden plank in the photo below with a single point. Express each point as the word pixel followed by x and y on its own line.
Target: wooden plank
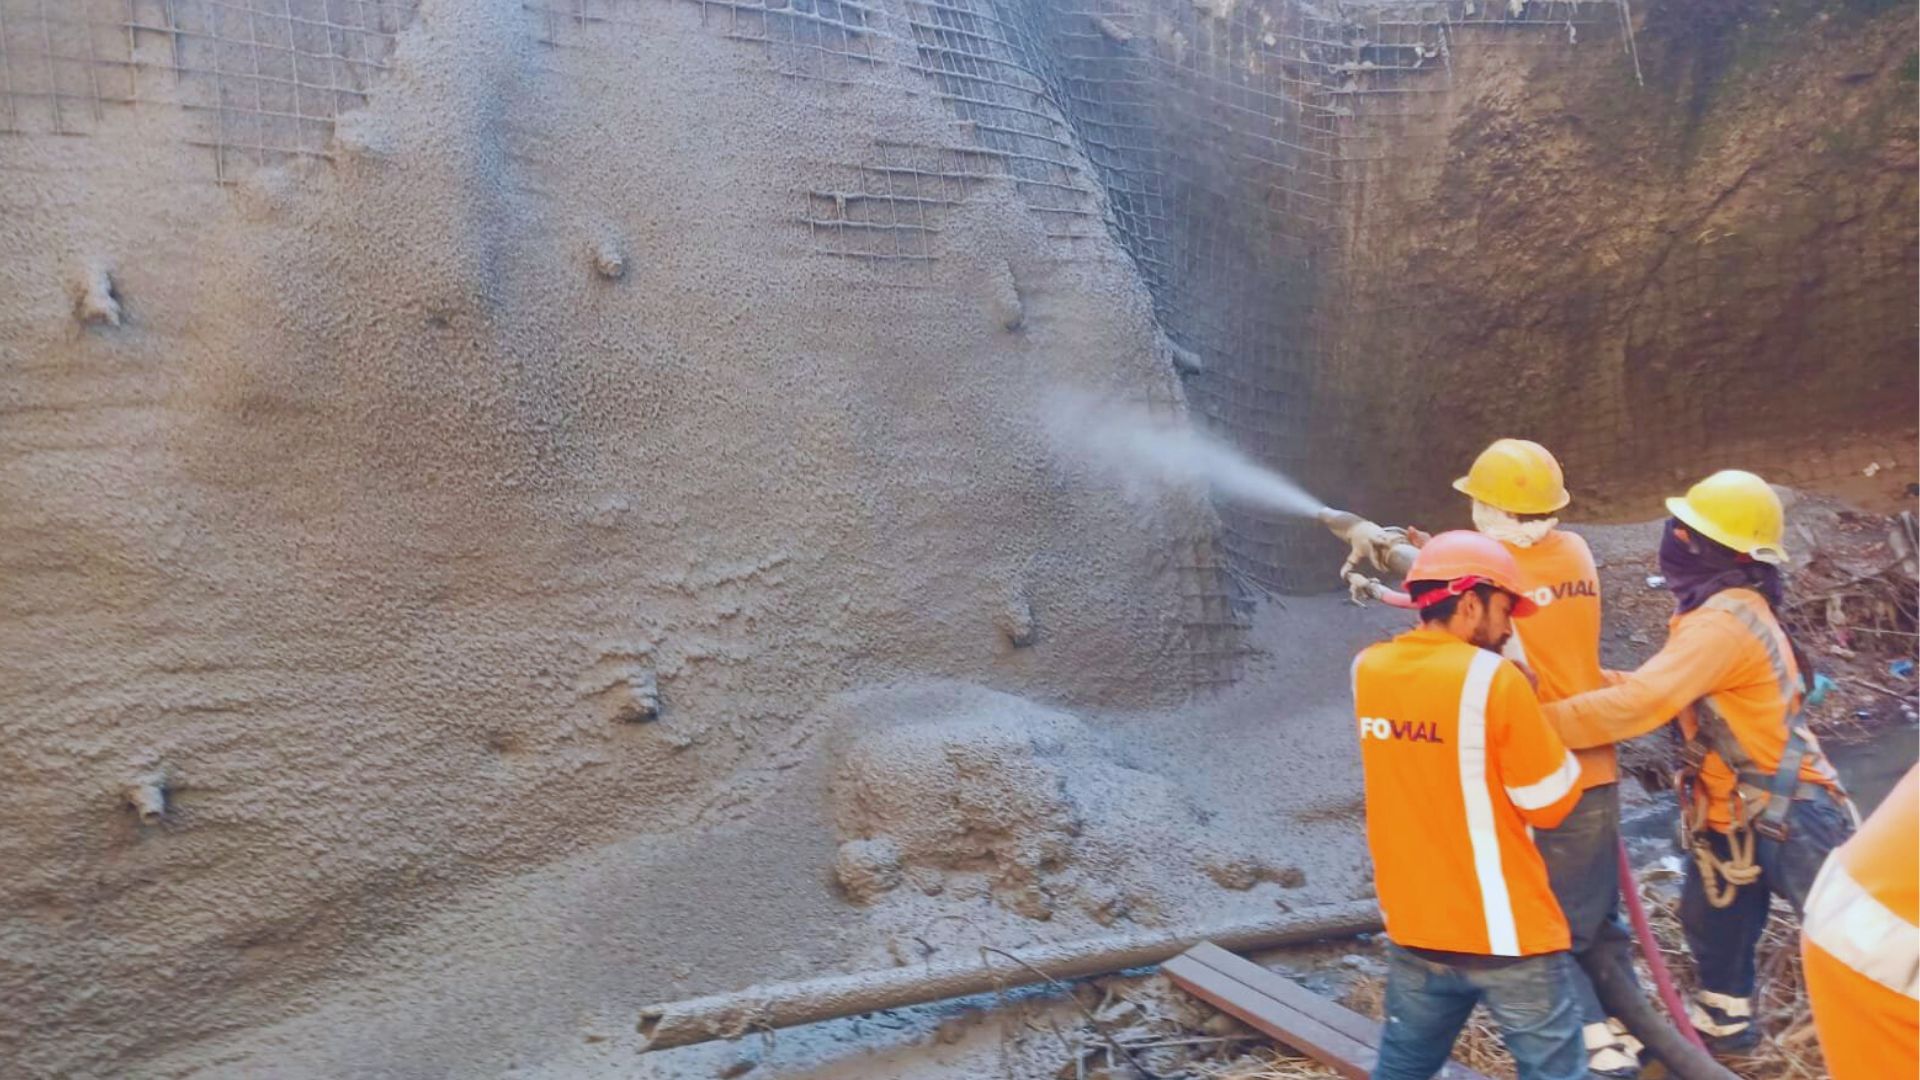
pixel 1266 994
pixel 1361 1029
pixel 1351 1059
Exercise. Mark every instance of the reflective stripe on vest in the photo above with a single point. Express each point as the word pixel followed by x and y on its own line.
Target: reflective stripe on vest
pixel 1772 639
pixel 1503 935
pixel 1550 790
pixel 1768 638
pixel 1855 928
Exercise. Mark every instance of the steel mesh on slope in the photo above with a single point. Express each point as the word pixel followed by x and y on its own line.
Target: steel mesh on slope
pixel 262 81
pixel 1209 137
pixel 1218 133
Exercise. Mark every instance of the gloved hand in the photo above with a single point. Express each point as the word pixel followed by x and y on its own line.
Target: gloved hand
pixel 1375 548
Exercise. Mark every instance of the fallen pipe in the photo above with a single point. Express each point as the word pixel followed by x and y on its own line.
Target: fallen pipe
pixel 764 1008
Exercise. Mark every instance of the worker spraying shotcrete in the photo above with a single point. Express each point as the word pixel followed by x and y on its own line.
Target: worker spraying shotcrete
pixel 1458 767
pixel 1760 806
pixel 1517 487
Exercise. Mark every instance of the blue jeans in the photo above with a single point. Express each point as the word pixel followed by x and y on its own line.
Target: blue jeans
pixel 1723 940
pixel 1532 999
pixel 1585 873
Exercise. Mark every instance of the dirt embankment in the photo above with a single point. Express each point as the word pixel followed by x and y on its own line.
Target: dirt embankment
pixel 1715 269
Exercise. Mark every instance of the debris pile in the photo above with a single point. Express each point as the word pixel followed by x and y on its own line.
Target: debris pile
pixel 961 792
pixel 1789 1046
pixel 1852 604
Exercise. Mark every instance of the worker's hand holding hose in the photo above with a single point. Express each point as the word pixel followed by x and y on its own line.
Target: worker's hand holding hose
pixel 1385 549
pixel 1374 547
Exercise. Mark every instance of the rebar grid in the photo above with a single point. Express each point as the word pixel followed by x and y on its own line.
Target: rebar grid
pixel 835 41
pixel 1212 142
pixel 61 62
pixel 264 80
pixel 888 213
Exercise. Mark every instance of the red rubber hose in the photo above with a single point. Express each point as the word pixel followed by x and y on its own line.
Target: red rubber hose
pixel 1650 949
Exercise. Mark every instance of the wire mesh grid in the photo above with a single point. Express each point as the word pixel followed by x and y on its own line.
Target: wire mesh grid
pixel 1216 155
pixel 835 41
pixel 1218 138
pixel 974 59
pixel 263 80
pixel 266 79
pixel 887 214
pixel 61 62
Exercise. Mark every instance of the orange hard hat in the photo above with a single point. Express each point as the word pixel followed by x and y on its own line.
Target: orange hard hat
pixel 1464 559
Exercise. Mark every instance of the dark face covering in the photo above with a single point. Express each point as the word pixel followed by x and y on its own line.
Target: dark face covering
pixel 1697 567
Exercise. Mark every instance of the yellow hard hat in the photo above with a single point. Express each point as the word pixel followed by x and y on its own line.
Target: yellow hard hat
pixel 1517 476
pixel 1737 509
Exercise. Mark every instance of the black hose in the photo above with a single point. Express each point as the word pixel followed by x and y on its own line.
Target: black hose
pixel 1620 993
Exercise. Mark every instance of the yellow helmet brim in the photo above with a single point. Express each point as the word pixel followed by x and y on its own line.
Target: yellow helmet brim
pixel 1465 486
pixel 1679 507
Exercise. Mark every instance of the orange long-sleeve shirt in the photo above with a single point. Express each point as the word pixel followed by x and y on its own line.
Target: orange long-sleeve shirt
pixel 1730 652
pixel 1458 765
pixel 1560 643
pixel 1861 944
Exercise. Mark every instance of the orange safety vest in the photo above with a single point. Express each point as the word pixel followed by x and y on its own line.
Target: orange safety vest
pixel 1861 943
pixel 1560 643
pixel 1458 766
pixel 1730 654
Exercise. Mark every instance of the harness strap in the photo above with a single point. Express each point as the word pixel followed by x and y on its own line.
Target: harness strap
pixel 1783 784
pixel 1719 738
pixel 1772 822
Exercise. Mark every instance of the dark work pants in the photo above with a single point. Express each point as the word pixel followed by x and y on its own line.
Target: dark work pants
pixel 1723 940
pixel 1584 871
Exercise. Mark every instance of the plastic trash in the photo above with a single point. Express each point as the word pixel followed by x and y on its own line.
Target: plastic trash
pixel 1822 686
pixel 1901 669
pixel 1656 581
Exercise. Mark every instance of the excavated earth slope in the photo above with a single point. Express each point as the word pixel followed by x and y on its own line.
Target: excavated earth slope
pixel 536 490
pixel 369 506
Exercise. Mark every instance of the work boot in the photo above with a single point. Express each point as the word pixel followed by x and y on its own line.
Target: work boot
pixel 1725 1022
pixel 1609 1054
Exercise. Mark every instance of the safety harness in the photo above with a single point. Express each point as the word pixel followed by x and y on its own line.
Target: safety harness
pixel 1773 793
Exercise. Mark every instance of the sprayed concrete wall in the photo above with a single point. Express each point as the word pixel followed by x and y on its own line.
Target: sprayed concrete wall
pixel 368 502
pixel 441 436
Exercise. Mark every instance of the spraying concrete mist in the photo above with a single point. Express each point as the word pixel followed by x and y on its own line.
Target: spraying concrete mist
pixel 1146 452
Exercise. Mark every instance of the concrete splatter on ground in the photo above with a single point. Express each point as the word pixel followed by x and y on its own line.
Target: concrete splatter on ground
pixel 546 973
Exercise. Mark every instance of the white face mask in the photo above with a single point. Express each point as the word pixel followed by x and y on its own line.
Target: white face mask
pixel 1504 527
